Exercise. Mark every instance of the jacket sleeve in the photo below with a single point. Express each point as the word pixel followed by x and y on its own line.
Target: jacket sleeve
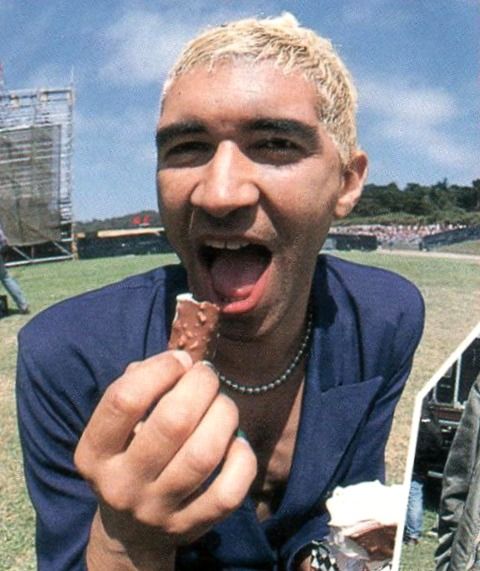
pixel 364 460
pixel 396 353
pixel 50 422
pixel 459 470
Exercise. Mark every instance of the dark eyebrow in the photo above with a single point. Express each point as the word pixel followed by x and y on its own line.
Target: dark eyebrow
pixel 286 126
pixel 292 127
pixel 166 134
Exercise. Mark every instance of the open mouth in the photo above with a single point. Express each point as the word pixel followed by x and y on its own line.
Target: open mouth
pixel 236 268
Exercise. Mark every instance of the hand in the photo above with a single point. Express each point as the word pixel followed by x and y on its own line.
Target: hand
pixel 149 471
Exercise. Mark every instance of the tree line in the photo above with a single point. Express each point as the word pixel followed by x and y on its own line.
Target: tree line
pixel 440 203
pixel 418 204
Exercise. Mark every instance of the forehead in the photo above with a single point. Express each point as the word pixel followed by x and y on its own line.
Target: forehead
pixel 239 90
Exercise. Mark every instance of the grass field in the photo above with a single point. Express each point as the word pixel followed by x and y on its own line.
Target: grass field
pixel 420 557
pixel 450 288
pixel 471 247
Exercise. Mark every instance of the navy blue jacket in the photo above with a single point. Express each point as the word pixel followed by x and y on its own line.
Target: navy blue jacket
pixel 367 324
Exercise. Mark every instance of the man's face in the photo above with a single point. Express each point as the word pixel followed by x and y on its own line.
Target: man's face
pixel 248 184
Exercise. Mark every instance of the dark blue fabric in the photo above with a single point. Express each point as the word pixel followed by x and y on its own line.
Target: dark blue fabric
pixel 367 323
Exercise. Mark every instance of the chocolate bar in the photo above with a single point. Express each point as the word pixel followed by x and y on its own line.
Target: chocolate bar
pixel 194 328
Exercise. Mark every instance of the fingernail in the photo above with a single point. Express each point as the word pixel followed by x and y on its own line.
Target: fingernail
pixel 210 365
pixel 241 434
pixel 138 427
pixel 183 357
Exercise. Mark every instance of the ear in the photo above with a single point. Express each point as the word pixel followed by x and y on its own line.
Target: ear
pixel 354 176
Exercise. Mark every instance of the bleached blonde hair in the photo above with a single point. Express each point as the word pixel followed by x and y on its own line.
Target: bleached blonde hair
pixel 291 48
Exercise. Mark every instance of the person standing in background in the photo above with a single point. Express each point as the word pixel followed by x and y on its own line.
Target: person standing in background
pixel 9 283
pixel 459 513
pixel 429 445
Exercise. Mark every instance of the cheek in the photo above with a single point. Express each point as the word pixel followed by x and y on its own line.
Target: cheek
pixel 322 196
pixel 311 205
pixel 311 215
pixel 173 208
pixel 172 197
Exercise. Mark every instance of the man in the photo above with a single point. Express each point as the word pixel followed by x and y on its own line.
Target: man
pixel 9 283
pixel 459 512
pixel 257 155
pixel 428 449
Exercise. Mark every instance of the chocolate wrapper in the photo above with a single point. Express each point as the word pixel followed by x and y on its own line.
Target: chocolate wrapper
pixel 363 524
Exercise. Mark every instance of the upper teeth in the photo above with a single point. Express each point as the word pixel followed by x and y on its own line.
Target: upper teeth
pixel 228 244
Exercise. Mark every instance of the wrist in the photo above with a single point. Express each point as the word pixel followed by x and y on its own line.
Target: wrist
pixel 315 555
pixel 105 553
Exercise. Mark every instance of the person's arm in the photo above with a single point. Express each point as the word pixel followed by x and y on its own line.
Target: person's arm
pixel 57 389
pixel 460 465
pixel 50 423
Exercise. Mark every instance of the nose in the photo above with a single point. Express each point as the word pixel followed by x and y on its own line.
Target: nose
pixel 227 183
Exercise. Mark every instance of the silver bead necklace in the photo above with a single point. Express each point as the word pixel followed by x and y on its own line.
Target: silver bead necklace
pixel 265 388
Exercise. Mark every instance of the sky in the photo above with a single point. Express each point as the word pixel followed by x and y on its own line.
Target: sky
pixel 415 63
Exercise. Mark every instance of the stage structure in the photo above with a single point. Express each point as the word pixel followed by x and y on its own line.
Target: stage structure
pixel 36 136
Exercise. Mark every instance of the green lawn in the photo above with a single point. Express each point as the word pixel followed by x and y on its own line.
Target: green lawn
pixel 471 247
pixel 450 288
pixel 420 557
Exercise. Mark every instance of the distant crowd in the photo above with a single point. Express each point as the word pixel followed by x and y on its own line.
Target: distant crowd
pixel 396 234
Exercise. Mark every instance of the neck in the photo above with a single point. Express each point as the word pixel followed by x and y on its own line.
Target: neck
pixel 260 359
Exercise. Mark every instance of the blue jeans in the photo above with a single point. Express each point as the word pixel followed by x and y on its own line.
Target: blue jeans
pixel 414 523
pixel 12 286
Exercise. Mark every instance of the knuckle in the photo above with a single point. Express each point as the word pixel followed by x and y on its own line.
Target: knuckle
pixel 118 496
pixel 132 367
pixel 176 422
pixel 172 525
pixel 145 515
pixel 122 401
pixel 202 461
pixel 117 485
pixel 227 501
pixel 84 459
pixel 174 528
pixel 82 463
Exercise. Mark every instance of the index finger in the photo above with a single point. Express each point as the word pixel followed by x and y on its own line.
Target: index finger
pixel 128 399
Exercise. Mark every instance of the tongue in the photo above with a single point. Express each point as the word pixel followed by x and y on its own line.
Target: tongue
pixel 235 273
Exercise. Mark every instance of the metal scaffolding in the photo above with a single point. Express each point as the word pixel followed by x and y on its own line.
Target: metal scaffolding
pixel 36 143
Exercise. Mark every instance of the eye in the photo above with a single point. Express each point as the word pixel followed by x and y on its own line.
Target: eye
pixel 186 154
pixel 276 151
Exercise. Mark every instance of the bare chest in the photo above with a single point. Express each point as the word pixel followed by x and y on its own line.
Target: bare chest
pixel 273 436
pixel 269 488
